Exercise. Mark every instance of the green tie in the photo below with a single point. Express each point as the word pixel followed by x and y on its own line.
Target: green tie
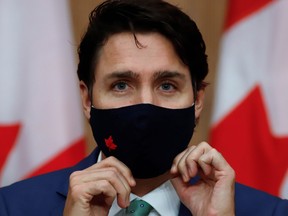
pixel 138 208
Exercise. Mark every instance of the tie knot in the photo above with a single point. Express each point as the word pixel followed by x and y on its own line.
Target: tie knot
pixel 139 208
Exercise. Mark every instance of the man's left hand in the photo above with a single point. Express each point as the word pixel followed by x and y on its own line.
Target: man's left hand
pixel 213 194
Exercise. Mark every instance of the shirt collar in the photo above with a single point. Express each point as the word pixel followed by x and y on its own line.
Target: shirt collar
pixel 163 199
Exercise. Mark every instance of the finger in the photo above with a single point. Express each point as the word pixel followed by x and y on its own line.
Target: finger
pixel 84 193
pixel 192 159
pixel 111 175
pixel 188 164
pixel 102 173
pixel 102 187
pixel 120 184
pixel 213 160
pixel 180 166
pixel 179 185
pixel 203 155
pixel 121 167
pixel 174 169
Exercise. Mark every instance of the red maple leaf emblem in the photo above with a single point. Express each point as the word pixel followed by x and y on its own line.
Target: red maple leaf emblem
pixel 110 144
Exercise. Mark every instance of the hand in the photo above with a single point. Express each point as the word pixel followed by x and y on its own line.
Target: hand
pixel 213 194
pixel 93 190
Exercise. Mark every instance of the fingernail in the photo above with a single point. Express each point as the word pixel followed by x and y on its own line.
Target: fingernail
pixel 173 169
pixel 132 182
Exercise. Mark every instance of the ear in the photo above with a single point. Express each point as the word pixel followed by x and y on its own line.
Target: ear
pixel 85 97
pixel 199 103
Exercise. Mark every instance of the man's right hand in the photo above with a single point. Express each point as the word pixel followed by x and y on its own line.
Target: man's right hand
pixel 93 190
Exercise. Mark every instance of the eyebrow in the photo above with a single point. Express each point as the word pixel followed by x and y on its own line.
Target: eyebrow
pixel 123 74
pixel 158 75
pixel 168 74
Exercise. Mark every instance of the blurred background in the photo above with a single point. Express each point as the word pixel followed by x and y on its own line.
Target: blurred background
pixel 42 126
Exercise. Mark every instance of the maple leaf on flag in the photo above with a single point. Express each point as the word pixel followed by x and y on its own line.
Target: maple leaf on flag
pixel 110 144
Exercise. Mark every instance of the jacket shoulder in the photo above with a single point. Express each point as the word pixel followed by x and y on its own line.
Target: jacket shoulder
pixel 250 201
pixel 33 195
pixel 41 195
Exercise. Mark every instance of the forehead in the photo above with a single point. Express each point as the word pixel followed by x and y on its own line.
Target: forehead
pixel 153 52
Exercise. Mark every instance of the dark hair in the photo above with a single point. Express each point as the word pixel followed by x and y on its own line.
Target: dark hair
pixel 143 16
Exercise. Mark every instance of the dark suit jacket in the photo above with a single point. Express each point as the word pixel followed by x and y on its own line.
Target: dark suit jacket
pixel 46 195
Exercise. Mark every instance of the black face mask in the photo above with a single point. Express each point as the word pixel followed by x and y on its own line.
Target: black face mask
pixel 145 137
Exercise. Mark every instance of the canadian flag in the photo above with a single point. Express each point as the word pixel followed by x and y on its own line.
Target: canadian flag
pixel 250 117
pixel 41 122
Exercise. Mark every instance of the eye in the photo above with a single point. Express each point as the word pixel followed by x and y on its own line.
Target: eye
pixel 166 86
pixel 120 86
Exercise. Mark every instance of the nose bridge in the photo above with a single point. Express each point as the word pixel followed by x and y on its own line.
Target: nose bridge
pixel 146 95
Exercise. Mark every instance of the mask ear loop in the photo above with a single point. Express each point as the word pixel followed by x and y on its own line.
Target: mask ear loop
pixel 194 85
pixel 90 92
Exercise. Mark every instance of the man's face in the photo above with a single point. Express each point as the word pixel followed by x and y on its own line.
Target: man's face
pixel 126 74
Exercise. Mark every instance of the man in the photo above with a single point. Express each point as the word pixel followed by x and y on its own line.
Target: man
pixel 142 65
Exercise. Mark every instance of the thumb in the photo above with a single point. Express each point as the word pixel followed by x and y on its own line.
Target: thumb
pixel 179 185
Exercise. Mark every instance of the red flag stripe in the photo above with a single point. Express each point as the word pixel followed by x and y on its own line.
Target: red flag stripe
pixel 237 10
pixel 8 135
pixel 73 154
